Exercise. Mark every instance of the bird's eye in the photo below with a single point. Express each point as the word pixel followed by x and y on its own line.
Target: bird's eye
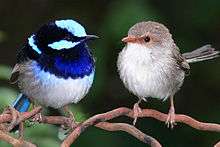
pixel 147 39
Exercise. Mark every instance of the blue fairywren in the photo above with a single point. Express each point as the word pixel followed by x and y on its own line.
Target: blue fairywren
pixel 55 67
pixel 151 65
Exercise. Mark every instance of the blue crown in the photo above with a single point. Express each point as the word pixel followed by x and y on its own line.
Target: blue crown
pixel 72 26
pixel 54 35
pixel 59 47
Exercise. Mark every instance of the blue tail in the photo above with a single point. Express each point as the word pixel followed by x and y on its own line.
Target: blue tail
pixel 22 103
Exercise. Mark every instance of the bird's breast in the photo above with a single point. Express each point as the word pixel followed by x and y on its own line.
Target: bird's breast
pixel 148 76
pixel 50 90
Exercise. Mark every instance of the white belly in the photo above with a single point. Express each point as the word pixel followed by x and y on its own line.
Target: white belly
pixel 49 90
pixel 146 76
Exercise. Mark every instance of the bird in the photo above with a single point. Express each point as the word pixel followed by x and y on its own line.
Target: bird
pixel 151 65
pixel 55 67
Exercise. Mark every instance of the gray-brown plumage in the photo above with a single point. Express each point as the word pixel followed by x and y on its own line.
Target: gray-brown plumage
pixel 151 65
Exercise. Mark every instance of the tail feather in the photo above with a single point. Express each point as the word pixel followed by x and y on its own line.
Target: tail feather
pixel 203 53
pixel 22 103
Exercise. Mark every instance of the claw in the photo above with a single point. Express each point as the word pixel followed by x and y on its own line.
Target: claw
pixel 37 118
pixel 170 122
pixel 137 110
pixel 69 113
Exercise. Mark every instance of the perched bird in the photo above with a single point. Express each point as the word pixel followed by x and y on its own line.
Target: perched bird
pixel 151 65
pixel 55 67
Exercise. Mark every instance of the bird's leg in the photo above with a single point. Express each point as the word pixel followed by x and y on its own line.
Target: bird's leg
pixel 69 112
pixel 171 115
pixel 37 117
pixel 137 110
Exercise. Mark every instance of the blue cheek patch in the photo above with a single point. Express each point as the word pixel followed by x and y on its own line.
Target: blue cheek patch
pixel 72 26
pixel 34 46
pixel 63 44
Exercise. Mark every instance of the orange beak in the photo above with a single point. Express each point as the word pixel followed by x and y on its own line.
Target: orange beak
pixel 129 39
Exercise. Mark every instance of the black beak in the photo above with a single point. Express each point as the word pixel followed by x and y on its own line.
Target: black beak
pixel 91 37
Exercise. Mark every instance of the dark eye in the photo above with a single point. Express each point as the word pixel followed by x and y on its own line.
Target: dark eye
pixel 147 39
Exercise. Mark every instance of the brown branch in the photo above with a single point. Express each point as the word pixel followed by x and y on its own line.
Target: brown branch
pixel 131 130
pixel 58 120
pixel 145 113
pixel 182 119
pixel 24 116
pixel 105 126
pixel 15 142
pixel 99 121
pixel 5 117
pixel 93 121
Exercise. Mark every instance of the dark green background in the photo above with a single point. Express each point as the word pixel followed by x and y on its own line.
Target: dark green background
pixel 192 23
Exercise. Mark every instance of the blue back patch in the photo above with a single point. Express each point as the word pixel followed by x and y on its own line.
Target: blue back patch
pixel 22 103
pixel 72 26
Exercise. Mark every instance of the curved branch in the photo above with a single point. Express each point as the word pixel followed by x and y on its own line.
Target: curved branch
pixel 145 113
pixel 182 119
pixel 131 130
pixel 15 142
pixel 99 121
pixel 5 117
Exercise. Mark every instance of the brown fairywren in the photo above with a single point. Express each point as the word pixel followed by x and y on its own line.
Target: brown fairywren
pixel 151 65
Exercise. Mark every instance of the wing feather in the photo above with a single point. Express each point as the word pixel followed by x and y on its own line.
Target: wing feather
pixel 15 74
pixel 181 61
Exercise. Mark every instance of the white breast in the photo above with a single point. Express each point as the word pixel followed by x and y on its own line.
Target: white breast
pixel 149 74
pixel 49 90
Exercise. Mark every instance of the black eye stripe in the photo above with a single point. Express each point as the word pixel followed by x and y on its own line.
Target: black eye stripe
pixel 71 38
pixel 77 39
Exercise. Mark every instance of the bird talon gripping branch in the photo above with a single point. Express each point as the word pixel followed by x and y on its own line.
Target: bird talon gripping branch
pixel 137 111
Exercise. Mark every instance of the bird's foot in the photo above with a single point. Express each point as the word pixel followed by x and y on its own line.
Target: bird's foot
pixel 16 117
pixel 137 110
pixel 170 122
pixel 70 115
pixel 37 118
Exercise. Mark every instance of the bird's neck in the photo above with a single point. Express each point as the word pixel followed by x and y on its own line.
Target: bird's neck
pixel 73 63
pixel 139 55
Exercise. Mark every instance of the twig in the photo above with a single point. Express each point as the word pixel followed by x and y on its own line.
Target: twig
pixel 99 121
pixel 145 113
pixel 58 120
pixel 7 118
pixel 24 116
pixel 15 142
pixel 131 130
pixel 182 119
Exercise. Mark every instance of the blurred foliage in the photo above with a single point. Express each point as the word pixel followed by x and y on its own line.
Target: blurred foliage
pixel 5 72
pixel 3 36
pixel 6 94
pixel 192 23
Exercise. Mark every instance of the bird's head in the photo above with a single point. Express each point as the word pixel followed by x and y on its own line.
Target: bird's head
pixel 59 35
pixel 149 35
